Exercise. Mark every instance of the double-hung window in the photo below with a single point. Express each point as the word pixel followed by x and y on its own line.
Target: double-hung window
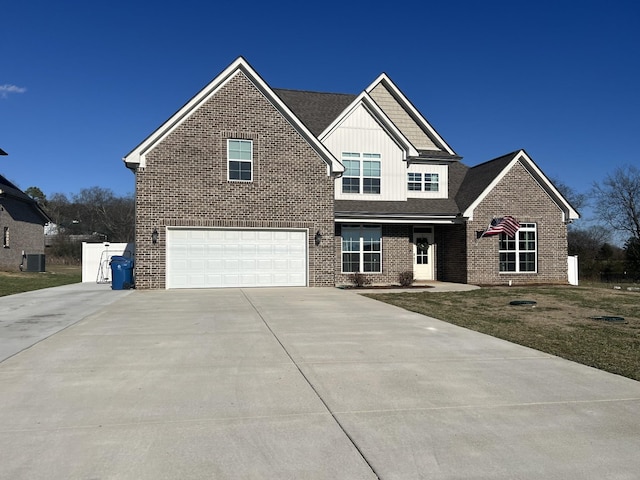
pixel 519 254
pixel 362 173
pixel 361 248
pixel 423 182
pixel 240 160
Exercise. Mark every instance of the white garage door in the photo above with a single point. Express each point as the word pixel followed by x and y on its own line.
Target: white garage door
pixel 207 258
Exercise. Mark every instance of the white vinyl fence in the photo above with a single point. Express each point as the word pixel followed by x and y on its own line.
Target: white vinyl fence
pixel 572 263
pixel 97 256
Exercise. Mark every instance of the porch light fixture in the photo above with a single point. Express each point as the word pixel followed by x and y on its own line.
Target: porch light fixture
pixel 154 236
pixel 318 238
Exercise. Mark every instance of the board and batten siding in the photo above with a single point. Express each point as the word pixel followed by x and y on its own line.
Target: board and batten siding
pixel 361 133
pixel 443 180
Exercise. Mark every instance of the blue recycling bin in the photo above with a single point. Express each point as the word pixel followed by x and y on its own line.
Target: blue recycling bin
pixel 121 273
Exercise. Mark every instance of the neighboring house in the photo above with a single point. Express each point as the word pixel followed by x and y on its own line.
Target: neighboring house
pixel 21 229
pixel 247 185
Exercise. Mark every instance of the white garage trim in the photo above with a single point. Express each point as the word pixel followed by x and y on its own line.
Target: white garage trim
pixel 200 257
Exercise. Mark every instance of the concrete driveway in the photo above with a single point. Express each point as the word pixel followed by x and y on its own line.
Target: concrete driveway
pixel 302 383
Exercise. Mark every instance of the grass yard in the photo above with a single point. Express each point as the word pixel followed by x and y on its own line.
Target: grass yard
pixel 56 275
pixel 558 323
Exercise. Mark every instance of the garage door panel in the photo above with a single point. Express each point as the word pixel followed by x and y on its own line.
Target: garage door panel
pixel 208 258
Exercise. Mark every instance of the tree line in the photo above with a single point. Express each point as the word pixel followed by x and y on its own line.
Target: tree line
pixel 609 248
pixel 94 214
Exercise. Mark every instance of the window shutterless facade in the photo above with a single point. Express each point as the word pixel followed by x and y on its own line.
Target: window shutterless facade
pixel 519 254
pixel 5 237
pixel 240 160
pixel 361 249
pixel 423 182
pixel 362 173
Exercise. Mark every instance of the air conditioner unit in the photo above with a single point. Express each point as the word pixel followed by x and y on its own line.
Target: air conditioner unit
pixel 35 262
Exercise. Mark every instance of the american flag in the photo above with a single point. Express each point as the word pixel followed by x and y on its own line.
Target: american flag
pixel 508 225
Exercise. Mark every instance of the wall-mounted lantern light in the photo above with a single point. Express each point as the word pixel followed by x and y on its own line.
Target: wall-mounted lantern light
pixel 154 236
pixel 318 238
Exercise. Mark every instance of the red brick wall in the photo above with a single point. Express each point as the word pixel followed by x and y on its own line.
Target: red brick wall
pixel 518 194
pixel 184 182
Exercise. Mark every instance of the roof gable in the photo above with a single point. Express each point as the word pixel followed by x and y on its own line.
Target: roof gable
pixel 481 179
pixel 406 117
pixel 365 101
pixel 137 157
pixel 8 189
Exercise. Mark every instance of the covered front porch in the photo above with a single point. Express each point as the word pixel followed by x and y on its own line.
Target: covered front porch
pixel 382 252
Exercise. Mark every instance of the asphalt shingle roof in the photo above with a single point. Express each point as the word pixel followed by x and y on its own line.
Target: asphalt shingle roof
pixel 315 109
pixel 479 177
pixel 10 190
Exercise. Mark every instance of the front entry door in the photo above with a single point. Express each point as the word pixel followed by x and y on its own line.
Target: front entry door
pixel 423 254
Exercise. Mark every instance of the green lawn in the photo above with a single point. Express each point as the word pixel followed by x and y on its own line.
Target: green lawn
pixel 56 275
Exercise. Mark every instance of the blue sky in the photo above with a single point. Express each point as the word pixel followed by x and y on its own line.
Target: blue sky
pixel 82 83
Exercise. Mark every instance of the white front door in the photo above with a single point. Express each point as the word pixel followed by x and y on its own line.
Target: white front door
pixel 423 254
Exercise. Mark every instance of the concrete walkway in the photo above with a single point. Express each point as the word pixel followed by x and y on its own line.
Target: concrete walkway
pixel 302 383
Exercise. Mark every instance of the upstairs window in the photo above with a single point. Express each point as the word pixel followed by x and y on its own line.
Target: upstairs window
pixel 240 160
pixel 362 173
pixel 519 254
pixel 423 182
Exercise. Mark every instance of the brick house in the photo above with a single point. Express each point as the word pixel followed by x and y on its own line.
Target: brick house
pixel 247 185
pixel 21 226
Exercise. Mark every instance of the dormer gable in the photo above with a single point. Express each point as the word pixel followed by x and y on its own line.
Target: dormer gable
pixel 365 102
pixel 409 120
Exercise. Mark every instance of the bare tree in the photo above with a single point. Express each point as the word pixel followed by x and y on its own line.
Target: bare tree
pixel 576 199
pixel 94 211
pixel 105 215
pixel 617 201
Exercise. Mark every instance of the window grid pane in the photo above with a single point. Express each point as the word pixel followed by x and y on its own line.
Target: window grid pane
pixel 414 182
pixel 431 182
pixel 371 185
pixel 362 249
pixel 350 262
pixel 371 169
pixel 361 178
pixel 239 157
pixel 350 185
pixel 519 255
pixel 352 168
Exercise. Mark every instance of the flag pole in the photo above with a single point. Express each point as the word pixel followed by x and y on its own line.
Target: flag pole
pixel 484 231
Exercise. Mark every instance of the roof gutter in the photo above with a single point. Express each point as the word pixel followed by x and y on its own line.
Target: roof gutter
pixel 345 217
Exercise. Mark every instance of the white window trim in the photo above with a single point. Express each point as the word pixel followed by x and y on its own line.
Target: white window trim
pixel 524 227
pixel 229 160
pixel 361 158
pixel 422 182
pixel 361 250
